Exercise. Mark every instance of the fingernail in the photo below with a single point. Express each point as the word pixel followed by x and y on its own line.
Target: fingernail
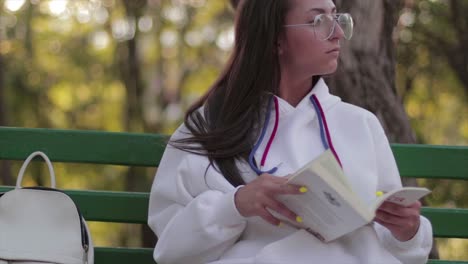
pixel 298 219
pixel 379 193
pixel 303 189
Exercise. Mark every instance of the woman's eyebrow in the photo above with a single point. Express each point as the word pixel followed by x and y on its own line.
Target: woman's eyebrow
pixel 321 10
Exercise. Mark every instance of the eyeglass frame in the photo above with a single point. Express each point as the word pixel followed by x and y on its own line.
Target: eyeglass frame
pixel 335 20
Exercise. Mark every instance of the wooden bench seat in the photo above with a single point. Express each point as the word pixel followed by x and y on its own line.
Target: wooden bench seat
pixel 132 149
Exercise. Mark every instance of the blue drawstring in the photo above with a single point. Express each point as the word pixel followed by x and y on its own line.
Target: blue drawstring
pixel 322 130
pixel 325 143
pixel 257 145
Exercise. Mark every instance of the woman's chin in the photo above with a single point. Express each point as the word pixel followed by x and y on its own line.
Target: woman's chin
pixel 332 67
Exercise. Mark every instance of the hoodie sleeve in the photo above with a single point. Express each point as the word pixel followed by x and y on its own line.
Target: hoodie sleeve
pixel 415 250
pixel 194 223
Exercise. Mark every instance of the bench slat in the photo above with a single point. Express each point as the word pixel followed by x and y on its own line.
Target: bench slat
pixel 426 161
pixel 82 146
pixel 434 261
pixel 105 206
pixel 118 207
pixel 118 203
pixel 431 161
pixel 107 255
pixel 448 222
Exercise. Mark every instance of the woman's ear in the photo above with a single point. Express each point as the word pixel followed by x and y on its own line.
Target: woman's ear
pixel 279 48
pixel 280 45
pixel 234 3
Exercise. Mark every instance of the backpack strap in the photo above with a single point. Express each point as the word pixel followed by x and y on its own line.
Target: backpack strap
pixel 26 163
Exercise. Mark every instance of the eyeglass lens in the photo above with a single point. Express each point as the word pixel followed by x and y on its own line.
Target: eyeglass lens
pixel 325 25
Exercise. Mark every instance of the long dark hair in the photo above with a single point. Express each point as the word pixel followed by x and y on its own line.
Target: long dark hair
pixel 234 106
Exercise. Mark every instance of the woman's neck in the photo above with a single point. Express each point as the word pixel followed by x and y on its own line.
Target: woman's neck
pixel 294 91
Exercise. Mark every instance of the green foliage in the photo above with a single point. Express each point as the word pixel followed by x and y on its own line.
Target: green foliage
pixel 69 66
pixel 66 66
pixel 434 92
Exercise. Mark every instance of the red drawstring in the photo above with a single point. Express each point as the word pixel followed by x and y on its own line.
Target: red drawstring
pixel 323 126
pixel 273 134
pixel 327 132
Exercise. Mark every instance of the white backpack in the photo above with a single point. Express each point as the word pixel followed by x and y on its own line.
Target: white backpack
pixel 42 225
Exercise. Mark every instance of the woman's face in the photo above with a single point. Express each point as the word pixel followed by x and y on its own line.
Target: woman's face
pixel 301 50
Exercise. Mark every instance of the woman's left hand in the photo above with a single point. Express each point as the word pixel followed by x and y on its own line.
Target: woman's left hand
pixel 402 221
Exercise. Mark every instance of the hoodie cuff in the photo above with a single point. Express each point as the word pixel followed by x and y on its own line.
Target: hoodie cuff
pixel 228 212
pixel 416 241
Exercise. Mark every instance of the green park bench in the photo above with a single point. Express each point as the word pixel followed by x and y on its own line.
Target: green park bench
pixel 132 149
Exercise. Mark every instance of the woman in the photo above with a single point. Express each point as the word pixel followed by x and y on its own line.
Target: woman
pixel 216 187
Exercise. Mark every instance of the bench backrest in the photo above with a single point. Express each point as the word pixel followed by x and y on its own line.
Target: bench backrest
pixel 132 149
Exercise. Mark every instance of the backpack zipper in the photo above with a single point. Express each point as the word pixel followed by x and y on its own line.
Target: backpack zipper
pixel 85 254
pixel 84 234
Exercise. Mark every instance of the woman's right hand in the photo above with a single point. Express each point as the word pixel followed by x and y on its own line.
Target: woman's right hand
pixel 254 198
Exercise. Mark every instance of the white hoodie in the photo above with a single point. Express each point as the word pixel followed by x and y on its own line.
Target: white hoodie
pixel 192 208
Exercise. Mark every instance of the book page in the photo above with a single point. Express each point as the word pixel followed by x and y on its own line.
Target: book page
pixel 328 161
pixel 403 196
pixel 329 209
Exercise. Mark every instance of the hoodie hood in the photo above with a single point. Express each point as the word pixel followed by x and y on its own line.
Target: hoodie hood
pixel 320 90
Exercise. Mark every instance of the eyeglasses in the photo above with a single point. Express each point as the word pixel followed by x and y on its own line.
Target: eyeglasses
pixel 325 24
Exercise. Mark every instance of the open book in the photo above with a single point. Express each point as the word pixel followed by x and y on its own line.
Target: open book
pixel 330 208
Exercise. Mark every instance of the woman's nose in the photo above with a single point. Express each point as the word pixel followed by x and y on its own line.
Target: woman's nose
pixel 338 32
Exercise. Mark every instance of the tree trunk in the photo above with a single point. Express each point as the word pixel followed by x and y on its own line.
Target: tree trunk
pixel 366 75
pixel 5 176
pixel 456 52
pixel 130 69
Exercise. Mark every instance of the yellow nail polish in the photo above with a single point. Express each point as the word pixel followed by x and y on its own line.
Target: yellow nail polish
pixel 298 219
pixel 303 189
pixel 379 193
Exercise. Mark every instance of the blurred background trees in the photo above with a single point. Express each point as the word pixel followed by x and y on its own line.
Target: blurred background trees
pixel 136 65
pixel 431 78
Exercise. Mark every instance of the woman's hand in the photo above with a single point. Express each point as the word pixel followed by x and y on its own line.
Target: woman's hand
pixel 254 198
pixel 402 221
